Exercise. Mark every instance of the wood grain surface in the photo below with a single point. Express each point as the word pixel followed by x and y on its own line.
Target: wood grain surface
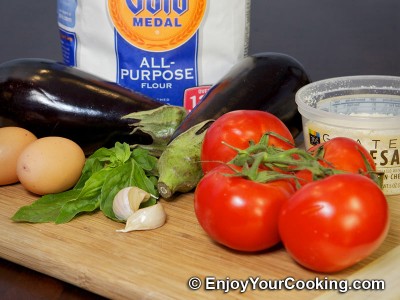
pixel 87 252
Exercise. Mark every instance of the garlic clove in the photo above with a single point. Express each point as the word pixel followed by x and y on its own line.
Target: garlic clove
pixel 121 206
pixel 137 196
pixel 128 200
pixel 147 218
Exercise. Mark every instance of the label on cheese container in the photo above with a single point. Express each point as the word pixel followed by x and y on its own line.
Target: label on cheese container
pixel 171 50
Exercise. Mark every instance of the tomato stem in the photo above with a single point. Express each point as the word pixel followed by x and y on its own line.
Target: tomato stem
pixel 261 162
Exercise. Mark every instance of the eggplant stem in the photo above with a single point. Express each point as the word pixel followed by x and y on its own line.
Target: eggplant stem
pixel 164 190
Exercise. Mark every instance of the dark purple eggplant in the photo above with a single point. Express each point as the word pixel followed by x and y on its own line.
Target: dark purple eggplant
pixel 49 98
pixel 265 81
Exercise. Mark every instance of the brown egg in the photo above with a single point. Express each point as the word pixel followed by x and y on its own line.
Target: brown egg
pixel 13 140
pixel 50 165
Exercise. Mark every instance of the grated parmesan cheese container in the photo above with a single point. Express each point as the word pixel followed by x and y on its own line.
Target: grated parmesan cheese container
pixel 170 50
pixel 364 108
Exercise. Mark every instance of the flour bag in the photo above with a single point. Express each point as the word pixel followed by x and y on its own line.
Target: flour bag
pixel 170 50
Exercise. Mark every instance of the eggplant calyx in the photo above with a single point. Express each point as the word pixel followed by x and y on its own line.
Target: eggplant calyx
pixel 160 123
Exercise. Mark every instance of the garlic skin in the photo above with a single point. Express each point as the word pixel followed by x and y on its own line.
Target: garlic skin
pixel 127 201
pixel 147 218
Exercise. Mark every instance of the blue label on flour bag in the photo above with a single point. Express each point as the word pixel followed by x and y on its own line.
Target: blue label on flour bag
pixel 66 12
pixel 156 45
pixel 68 47
pixel 157 74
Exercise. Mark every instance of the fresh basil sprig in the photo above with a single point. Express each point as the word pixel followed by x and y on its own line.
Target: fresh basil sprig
pixel 106 171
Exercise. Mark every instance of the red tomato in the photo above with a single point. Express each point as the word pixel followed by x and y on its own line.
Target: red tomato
pixel 239 213
pixel 333 223
pixel 304 177
pixel 340 153
pixel 238 128
pixel 345 154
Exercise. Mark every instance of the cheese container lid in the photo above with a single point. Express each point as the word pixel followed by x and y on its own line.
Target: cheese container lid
pixel 360 102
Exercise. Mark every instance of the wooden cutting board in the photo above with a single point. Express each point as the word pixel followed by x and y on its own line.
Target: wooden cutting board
pixel 158 264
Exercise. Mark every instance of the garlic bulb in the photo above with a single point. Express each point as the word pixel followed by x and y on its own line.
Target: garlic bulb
pixel 150 217
pixel 127 201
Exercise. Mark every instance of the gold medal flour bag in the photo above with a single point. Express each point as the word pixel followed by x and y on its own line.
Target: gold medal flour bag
pixel 171 50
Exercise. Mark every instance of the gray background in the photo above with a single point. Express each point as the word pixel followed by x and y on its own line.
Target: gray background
pixel 329 37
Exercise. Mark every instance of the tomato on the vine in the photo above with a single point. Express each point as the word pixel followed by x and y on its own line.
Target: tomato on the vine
pixel 333 223
pixel 345 154
pixel 342 154
pixel 239 213
pixel 237 129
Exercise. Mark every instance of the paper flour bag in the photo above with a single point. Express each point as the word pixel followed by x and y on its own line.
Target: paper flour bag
pixel 171 50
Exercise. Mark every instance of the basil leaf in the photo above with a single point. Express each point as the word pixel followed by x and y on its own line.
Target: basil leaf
pixel 45 209
pixel 145 160
pixel 122 152
pixel 76 206
pixel 88 199
pixel 91 166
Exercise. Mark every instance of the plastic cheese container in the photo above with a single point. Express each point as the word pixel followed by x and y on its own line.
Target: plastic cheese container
pixel 364 108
